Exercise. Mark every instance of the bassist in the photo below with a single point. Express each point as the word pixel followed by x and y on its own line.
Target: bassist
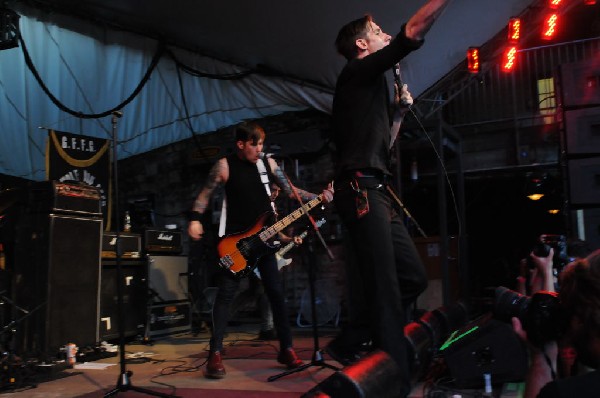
pixel 247 190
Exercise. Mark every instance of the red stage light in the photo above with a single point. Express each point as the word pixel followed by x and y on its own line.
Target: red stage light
pixel 473 64
pixel 514 30
pixel 550 27
pixel 554 3
pixel 589 2
pixel 510 59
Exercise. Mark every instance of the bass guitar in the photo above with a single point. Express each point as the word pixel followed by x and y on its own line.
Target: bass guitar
pixel 239 253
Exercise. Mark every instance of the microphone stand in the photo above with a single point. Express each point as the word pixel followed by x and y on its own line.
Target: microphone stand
pixel 317 357
pixel 124 382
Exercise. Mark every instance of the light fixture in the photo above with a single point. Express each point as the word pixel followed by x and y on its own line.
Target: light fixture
pixel 473 64
pixel 514 30
pixel 509 59
pixel 534 188
pixel 554 3
pixel 550 26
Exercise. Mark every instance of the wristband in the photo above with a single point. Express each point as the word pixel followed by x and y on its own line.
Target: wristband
pixel 195 216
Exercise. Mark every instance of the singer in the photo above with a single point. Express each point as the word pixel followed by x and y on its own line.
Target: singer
pixel 388 274
pixel 247 181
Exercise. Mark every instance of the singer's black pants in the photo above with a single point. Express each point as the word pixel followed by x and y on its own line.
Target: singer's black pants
pixel 387 276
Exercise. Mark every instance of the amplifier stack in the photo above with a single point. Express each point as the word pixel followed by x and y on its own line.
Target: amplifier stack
pixel 57 269
pixel 154 280
pixel 170 307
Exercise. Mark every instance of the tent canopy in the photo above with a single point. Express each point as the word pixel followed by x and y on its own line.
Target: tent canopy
pixel 187 67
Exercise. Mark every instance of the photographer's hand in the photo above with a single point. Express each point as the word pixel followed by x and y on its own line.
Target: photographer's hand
pixel 542 367
pixel 543 278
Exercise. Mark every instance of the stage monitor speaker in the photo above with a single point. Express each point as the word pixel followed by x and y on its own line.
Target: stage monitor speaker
pixel 582 131
pixel 375 376
pixel 580 83
pixel 56 279
pixel 134 280
pixel 485 346
pixel 584 181
pixel 168 278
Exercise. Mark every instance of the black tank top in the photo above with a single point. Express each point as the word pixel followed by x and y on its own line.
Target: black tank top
pixel 247 198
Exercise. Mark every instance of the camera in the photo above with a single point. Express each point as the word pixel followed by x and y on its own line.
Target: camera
pixel 541 315
pixel 542 249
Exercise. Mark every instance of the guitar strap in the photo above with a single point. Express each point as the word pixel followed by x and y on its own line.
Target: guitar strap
pixel 264 178
pixel 223 218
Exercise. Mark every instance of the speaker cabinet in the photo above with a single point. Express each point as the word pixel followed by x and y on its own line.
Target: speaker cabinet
pixel 485 347
pixel 584 181
pixel 56 279
pixel 168 278
pixel 580 83
pixel 582 131
pixel 134 283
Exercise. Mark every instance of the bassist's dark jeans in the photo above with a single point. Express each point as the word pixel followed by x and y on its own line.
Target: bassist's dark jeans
pixel 386 277
pixel 228 286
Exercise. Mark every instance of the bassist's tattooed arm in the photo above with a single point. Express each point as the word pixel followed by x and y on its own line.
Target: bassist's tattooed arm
pixel 216 177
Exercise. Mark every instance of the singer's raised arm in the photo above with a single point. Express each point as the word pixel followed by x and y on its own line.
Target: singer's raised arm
pixel 420 23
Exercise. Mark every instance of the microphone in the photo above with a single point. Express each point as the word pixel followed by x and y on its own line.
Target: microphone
pixel 396 70
pixel 400 83
pixel 264 156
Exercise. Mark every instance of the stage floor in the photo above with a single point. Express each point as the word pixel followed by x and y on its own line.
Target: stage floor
pixel 174 365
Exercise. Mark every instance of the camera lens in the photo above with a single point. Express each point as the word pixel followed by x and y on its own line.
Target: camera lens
pixel 542 316
pixel 508 304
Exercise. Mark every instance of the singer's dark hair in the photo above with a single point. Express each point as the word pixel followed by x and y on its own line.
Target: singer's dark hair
pixel 345 43
pixel 249 131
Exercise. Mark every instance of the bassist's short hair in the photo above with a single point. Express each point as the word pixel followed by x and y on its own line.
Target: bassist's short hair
pixel 249 131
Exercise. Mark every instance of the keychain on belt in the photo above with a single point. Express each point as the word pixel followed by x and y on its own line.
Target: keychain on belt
pixel 362 200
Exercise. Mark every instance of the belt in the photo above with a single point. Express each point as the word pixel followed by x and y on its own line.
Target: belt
pixel 366 178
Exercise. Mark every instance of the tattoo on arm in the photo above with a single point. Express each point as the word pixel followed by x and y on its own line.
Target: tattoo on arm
pixel 305 195
pixel 283 182
pixel 213 181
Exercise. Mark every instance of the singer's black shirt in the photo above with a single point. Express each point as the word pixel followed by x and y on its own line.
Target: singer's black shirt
pixel 360 116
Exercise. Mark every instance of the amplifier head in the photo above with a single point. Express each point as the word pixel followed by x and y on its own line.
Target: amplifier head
pixel 131 246
pixel 163 241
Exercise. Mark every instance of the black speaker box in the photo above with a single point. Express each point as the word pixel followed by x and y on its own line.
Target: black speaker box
pixel 168 278
pixel 485 346
pixel 134 284
pixel 580 83
pixel 584 182
pixel 582 131
pixel 56 279
pixel 130 244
